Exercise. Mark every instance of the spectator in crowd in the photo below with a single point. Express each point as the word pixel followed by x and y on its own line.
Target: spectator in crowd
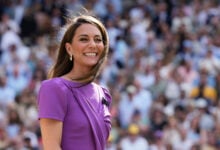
pixel 133 141
pixel 7 94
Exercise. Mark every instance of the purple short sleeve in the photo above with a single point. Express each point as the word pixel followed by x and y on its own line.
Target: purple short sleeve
pixel 52 102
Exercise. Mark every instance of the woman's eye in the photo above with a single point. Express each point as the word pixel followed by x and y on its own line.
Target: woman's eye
pixel 83 39
pixel 98 40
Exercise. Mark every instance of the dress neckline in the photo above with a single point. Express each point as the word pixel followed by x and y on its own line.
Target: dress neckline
pixel 72 83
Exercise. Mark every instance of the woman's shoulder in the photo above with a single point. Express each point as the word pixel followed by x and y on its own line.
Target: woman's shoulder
pixel 53 83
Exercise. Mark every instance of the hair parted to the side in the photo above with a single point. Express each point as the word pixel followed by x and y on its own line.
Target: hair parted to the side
pixel 63 65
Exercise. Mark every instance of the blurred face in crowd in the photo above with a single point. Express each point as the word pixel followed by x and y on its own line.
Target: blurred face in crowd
pixel 2 81
pixel 87 46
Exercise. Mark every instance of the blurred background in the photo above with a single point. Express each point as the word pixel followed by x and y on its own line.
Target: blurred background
pixel 163 70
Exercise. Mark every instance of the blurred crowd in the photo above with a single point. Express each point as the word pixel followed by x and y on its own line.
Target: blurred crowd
pixel 163 70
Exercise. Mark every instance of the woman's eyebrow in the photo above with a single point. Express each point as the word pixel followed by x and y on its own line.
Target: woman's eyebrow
pixel 88 35
pixel 83 35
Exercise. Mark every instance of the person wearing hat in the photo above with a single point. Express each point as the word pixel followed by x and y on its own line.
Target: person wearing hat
pixel 133 140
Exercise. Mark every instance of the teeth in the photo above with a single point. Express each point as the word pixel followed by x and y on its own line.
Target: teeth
pixel 90 54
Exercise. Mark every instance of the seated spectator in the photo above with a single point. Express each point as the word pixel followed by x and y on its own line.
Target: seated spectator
pixel 7 94
pixel 204 90
pixel 133 141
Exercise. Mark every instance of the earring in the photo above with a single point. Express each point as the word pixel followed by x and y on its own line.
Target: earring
pixel 71 58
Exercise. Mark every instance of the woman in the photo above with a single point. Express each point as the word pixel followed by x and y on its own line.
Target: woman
pixel 73 110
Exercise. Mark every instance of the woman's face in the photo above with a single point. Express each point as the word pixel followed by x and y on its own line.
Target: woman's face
pixel 86 47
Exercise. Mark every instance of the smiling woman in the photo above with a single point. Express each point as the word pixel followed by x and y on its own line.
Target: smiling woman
pixel 71 110
pixel 80 35
pixel 86 48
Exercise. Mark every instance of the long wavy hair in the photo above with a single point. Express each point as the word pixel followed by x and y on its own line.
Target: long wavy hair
pixel 63 65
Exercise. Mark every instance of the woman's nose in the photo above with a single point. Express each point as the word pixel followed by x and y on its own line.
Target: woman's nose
pixel 92 43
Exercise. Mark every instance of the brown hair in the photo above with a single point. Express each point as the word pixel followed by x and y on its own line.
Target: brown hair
pixel 63 65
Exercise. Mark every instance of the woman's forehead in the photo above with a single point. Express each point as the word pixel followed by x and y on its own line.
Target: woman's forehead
pixel 87 29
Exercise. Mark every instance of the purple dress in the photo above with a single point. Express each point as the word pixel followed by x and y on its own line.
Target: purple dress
pixel 83 109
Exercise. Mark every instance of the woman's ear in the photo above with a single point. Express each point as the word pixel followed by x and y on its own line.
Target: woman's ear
pixel 68 48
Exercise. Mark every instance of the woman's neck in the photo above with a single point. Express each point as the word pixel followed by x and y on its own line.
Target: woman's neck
pixel 78 73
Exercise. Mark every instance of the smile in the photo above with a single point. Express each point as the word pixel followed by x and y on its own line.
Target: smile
pixel 90 54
